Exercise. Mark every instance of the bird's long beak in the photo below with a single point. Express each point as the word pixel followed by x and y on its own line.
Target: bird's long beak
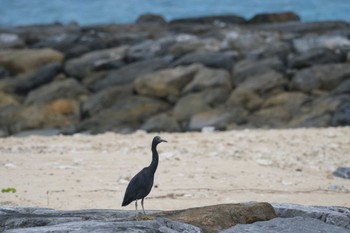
pixel 162 140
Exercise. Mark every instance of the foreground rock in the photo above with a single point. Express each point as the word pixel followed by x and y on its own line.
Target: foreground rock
pixel 236 218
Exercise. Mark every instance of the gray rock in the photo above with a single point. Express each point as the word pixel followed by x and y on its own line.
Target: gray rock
pixel 149 49
pixel 325 77
pixel 342 88
pixel 43 76
pixel 10 41
pixel 189 105
pixel 163 122
pixel 287 225
pixel 280 49
pixel 315 57
pixel 166 82
pixel 343 172
pixel 48 220
pixel 105 99
pixel 129 73
pixel 126 115
pixel 332 42
pixel 190 44
pixel 65 89
pixel 274 17
pixel 209 78
pixel 79 67
pixel 338 216
pixel 251 93
pixel 224 60
pixel 341 116
pixel 248 68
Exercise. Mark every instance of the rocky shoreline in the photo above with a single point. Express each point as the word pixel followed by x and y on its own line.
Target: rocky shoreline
pixel 234 218
pixel 223 72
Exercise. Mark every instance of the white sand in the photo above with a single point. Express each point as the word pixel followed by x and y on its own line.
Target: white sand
pixel 195 169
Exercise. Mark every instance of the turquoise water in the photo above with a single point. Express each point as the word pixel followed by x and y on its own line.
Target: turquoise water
pixel 24 12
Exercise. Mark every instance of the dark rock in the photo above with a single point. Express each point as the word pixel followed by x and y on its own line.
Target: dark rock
pixel 7 99
pixel 230 19
pixel 338 216
pixel 151 19
pixel 251 93
pixel 220 217
pixel 149 49
pixel 126 115
pixel 3 72
pixel 8 117
pixel 43 76
pixel 107 58
pixel 163 122
pixel 105 99
pixel 28 60
pixel 18 220
pixel 274 18
pixel 325 77
pixel 65 89
pixel 286 225
pixel 247 68
pixel 342 172
pixel 209 78
pixel 165 82
pixel 224 60
pixel 129 73
pixel 315 57
pixel 341 116
pixel 280 49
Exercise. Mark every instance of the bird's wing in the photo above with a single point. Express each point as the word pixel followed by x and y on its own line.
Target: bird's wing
pixel 136 184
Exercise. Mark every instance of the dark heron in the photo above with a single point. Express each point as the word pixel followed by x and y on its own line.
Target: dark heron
pixel 141 184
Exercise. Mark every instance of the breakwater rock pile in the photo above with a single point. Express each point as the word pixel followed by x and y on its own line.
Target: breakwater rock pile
pixel 234 218
pixel 272 71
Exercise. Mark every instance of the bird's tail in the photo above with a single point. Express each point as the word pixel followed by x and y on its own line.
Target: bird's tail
pixel 126 202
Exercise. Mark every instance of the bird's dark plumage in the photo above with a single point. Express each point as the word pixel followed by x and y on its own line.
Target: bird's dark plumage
pixel 141 184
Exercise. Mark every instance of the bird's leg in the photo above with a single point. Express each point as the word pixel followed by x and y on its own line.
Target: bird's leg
pixel 142 206
pixel 136 204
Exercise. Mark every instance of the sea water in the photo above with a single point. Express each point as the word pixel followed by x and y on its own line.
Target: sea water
pixel 24 12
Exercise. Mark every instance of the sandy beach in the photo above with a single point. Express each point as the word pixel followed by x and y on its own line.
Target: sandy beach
pixel 195 169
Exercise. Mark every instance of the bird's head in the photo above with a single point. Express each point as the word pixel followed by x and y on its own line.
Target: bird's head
pixel 157 140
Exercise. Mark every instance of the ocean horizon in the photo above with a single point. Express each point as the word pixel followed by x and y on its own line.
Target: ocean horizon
pixel 24 12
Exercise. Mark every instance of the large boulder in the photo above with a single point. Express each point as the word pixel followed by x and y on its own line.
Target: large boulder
pixel 43 76
pixel 129 73
pixel 190 105
pixel 251 93
pixel 104 99
pixel 7 99
pixel 287 225
pixel 231 19
pixel 248 67
pixel 164 122
pixel 341 116
pixel 18 61
pixel 64 89
pixel 224 60
pixel 151 19
pixel 218 118
pixel 165 83
pixel 315 56
pixel 126 115
pixel 190 44
pixel 107 58
pixel 333 42
pixel 209 78
pixel 319 112
pixel 149 49
pixel 219 217
pixel 324 77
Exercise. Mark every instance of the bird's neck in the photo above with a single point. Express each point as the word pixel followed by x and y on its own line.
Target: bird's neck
pixel 155 159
